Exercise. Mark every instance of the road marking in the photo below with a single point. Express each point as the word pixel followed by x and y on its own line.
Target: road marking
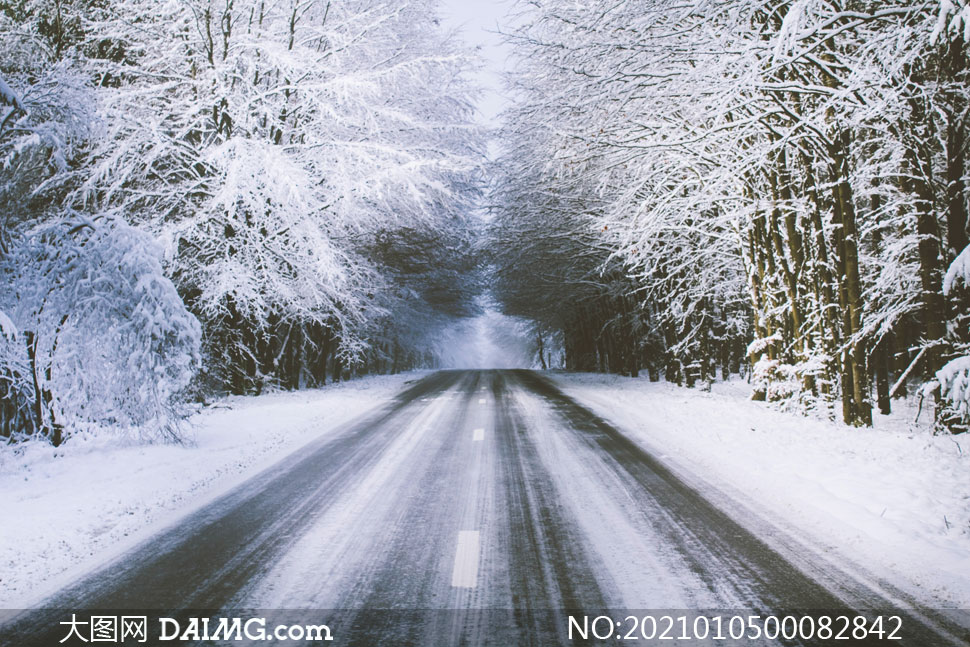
pixel 481 401
pixel 478 434
pixel 465 573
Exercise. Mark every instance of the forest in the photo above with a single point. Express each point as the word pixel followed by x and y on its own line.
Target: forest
pixel 212 196
pixel 201 197
pixel 770 187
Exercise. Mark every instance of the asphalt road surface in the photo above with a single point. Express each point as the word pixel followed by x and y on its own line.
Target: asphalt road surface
pixel 480 508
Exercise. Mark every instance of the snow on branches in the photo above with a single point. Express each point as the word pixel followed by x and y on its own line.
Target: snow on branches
pixel 790 173
pixel 8 97
pixel 271 146
pixel 308 168
pixel 953 20
pixel 954 379
pixel 958 274
pixel 104 337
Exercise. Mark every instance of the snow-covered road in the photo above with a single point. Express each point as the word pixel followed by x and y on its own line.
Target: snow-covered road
pixel 480 507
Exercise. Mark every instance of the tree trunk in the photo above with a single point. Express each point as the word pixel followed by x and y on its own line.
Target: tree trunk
pixel 930 262
pixel 956 154
pixel 861 409
pixel 880 360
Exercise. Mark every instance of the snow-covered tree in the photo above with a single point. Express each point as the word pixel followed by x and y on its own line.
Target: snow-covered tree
pixel 304 171
pixel 787 174
pixel 101 337
pixel 275 148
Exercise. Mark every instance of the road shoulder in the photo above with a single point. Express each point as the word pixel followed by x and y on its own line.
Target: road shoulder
pixel 870 500
pixel 68 510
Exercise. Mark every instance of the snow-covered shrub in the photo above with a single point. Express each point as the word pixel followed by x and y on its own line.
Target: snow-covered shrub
pixel 774 381
pixel 954 379
pixel 771 380
pixel 103 339
pixel 958 275
pixel 784 384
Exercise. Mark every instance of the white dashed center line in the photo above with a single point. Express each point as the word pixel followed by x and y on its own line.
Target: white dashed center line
pixel 478 434
pixel 481 401
pixel 465 573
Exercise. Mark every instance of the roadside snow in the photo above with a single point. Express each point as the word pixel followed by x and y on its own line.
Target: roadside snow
pixel 66 510
pixel 894 500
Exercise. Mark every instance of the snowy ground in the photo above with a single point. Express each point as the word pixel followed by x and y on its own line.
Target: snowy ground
pixel 894 500
pixel 66 510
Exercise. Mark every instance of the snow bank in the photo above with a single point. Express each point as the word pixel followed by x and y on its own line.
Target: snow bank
pixel 68 509
pixel 893 500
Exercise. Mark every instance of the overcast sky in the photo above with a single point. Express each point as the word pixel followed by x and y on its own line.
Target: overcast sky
pixel 478 20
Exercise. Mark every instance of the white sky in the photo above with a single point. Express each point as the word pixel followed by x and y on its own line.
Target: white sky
pixel 478 20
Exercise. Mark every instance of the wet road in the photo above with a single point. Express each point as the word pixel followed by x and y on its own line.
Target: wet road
pixel 480 507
